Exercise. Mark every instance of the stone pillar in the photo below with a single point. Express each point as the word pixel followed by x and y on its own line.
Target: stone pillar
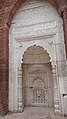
pixel 65 27
pixel 4 61
pixel 20 101
pixel 55 90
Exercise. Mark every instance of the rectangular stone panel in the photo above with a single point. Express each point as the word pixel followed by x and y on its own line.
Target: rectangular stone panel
pixel 61 68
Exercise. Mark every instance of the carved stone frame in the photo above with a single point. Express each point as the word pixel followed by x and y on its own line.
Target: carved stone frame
pixel 55 79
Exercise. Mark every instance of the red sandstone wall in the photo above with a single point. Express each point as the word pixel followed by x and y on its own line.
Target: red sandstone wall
pixel 7 11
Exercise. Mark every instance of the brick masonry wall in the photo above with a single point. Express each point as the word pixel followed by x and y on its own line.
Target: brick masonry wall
pixel 3 69
pixel 7 11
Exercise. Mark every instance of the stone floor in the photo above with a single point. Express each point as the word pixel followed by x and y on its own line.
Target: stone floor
pixel 34 113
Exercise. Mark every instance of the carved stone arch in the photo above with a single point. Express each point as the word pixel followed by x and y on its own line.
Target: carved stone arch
pixel 53 64
pixel 55 88
pixel 36 79
pixel 28 47
pixel 37 46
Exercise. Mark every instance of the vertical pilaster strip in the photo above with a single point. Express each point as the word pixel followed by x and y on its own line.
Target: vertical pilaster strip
pixel 65 27
pixel 20 101
pixel 55 90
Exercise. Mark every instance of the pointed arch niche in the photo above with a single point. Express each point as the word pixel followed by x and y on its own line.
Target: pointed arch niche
pixel 36 24
pixel 36 60
pixel 37 77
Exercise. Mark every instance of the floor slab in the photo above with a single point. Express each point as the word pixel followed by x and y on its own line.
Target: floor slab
pixel 34 113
